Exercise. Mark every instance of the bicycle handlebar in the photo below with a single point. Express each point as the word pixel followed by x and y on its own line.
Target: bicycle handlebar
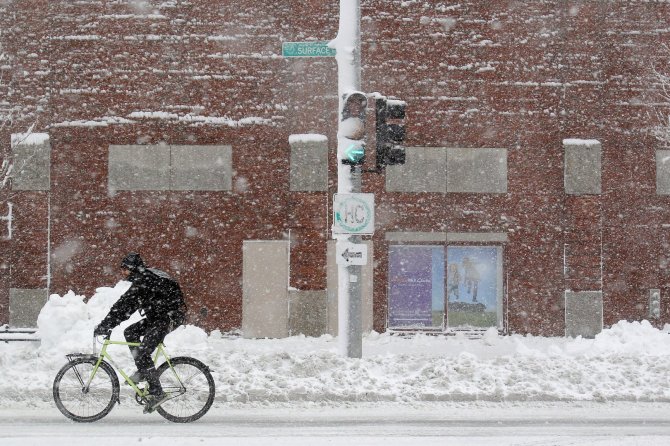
pixel 96 341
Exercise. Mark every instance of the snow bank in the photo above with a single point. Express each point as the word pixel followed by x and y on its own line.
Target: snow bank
pixel 66 323
pixel 627 362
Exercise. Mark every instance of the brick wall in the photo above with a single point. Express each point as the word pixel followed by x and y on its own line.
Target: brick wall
pixel 516 75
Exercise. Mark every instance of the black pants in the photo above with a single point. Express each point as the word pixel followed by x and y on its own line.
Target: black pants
pixel 149 334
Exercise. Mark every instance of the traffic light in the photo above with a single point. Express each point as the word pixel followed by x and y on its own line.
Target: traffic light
pixel 390 135
pixel 352 128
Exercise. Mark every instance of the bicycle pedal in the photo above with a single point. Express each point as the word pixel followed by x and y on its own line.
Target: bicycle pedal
pixel 153 404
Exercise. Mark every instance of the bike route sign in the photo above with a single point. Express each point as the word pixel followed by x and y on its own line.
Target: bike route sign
pixel 351 253
pixel 354 214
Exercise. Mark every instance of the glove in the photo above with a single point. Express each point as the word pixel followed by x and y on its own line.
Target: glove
pixel 102 331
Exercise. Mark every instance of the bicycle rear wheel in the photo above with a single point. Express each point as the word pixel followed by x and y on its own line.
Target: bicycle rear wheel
pixel 190 389
pixel 78 403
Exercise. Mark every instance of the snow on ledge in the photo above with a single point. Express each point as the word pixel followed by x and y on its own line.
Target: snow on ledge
pixel 581 142
pixel 29 139
pixel 199 119
pixel 153 115
pixel 96 122
pixel 307 137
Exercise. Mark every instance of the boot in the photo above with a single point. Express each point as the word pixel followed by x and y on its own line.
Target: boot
pixel 137 377
pixel 155 400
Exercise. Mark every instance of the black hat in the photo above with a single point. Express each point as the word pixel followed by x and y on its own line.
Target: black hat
pixel 132 261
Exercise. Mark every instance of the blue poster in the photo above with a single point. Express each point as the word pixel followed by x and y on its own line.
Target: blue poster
pixel 410 286
pixel 472 286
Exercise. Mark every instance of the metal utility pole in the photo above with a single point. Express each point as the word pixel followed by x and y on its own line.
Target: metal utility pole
pixel 348 56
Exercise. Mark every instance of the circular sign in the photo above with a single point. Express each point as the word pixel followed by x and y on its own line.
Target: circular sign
pixel 354 214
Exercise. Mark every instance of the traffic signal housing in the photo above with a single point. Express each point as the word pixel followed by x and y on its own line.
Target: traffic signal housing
pixel 352 127
pixel 390 132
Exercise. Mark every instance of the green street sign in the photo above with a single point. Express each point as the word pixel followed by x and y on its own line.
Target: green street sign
pixel 306 49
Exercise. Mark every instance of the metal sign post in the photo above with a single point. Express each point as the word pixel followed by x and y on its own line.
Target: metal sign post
pixel 348 56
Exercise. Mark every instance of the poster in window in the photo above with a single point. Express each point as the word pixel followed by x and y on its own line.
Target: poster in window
pixel 472 286
pixel 410 286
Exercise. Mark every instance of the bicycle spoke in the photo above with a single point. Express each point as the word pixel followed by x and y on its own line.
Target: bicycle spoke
pixel 194 390
pixel 80 403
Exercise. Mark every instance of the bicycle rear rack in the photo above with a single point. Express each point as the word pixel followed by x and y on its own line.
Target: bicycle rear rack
pixel 75 356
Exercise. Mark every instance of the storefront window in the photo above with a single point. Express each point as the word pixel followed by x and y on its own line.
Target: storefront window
pixel 421 276
pixel 473 286
pixel 416 286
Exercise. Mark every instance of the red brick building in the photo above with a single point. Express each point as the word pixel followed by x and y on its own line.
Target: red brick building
pixel 164 127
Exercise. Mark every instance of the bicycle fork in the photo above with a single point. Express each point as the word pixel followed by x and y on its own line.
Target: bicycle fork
pixel 73 357
pixel 83 381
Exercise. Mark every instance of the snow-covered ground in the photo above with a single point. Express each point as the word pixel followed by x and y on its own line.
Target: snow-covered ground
pixel 628 362
pixel 498 390
pixel 361 424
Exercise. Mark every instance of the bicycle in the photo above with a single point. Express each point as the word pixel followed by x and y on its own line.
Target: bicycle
pixel 87 387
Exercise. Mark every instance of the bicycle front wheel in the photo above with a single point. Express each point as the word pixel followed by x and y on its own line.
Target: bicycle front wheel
pixel 82 404
pixel 190 389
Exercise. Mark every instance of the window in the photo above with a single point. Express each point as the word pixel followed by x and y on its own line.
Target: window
pixel 582 166
pixel 165 167
pixel 482 171
pixel 663 172
pixel 474 286
pixel 31 155
pixel 446 170
pixel 309 163
pixel 438 287
pixel 424 171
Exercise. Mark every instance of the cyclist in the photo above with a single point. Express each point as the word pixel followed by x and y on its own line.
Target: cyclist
pixel 159 299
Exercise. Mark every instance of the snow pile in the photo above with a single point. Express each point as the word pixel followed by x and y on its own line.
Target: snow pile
pixel 66 323
pixel 632 338
pixel 628 362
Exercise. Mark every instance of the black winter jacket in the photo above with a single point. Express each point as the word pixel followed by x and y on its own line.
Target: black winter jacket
pixel 154 293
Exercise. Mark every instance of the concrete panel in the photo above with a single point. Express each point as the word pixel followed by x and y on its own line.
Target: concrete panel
pixel 663 172
pixel 412 237
pixel 583 313
pixel 201 168
pixel 477 170
pixel 477 237
pixel 32 162
pixel 582 167
pixel 424 171
pixel 366 292
pixel 265 271
pixel 25 305
pixel 308 313
pixel 309 164
pixel 139 167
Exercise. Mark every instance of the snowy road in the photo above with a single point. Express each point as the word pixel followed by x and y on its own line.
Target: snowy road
pixel 472 424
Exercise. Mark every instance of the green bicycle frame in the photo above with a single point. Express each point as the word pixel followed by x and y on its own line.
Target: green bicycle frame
pixel 160 350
